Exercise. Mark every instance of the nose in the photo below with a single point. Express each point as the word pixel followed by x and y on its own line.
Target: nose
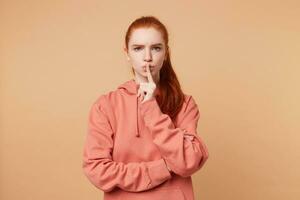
pixel 147 56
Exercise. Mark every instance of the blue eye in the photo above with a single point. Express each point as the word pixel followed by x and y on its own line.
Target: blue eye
pixel 157 48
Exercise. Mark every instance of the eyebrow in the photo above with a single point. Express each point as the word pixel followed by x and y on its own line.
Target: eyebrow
pixel 151 45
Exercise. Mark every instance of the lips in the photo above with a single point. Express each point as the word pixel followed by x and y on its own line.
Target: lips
pixel 151 67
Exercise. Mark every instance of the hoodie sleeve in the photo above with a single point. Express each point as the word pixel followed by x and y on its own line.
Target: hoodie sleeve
pixel 182 148
pixel 106 174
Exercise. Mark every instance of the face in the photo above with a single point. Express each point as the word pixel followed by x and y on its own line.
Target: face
pixel 146 45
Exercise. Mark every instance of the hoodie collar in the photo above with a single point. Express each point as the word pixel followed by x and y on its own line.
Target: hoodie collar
pixel 130 86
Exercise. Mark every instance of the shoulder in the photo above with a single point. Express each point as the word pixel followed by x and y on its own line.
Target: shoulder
pixel 107 96
pixel 189 101
pixel 102 101
pixel 189 107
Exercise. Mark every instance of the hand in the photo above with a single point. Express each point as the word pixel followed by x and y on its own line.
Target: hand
pixel 146 90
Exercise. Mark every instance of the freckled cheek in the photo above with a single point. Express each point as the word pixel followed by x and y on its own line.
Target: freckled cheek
pixel 137 63
pixel 140 68
pixel 159 63
pixel 159 57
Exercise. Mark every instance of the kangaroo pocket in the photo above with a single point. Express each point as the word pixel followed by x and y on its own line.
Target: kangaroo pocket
pixel 170 193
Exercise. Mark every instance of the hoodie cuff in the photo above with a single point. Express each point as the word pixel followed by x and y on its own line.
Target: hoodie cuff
pixel 158 171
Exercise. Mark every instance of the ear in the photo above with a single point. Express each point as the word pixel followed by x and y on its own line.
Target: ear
pixel 126 53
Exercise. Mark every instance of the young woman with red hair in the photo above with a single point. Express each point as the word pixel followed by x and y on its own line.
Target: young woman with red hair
pixel 142 141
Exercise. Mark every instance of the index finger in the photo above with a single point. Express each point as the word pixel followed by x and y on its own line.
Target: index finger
pixel 149 75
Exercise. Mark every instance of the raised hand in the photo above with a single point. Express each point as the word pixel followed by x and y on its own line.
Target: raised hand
pixel 147 89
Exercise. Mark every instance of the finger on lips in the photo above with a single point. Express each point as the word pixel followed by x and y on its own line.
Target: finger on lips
pixel 148 86
pixel 149 75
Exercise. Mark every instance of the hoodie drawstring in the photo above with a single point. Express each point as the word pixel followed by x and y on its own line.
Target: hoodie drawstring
pixel 137 134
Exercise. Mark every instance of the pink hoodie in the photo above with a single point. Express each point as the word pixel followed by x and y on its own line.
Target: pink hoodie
pixel 130 145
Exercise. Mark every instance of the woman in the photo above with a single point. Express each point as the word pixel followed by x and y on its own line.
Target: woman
pixel 142 141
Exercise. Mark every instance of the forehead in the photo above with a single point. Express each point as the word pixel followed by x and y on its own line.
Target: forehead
pixel 146 36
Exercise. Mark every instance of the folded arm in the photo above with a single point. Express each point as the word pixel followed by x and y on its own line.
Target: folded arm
pixel 106 174
pixel 182 148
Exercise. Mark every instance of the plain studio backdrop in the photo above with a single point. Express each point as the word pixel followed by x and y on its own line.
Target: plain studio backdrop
pixel 239 59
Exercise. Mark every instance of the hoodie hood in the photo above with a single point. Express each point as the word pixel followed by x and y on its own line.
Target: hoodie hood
pixel 131 88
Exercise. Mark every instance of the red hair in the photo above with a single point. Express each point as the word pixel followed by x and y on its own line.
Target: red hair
pixel 171 97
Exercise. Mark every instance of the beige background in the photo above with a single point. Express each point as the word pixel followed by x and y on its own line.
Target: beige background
pixel 239 59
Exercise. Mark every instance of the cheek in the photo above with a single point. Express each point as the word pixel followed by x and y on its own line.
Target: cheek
pixel 135 63
pixel 160 58
pixel 138 68
pixel 160 63
pixel 136 59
